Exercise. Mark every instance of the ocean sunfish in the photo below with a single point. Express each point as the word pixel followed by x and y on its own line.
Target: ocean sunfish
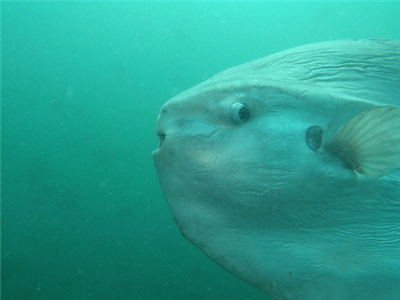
pixel 286 170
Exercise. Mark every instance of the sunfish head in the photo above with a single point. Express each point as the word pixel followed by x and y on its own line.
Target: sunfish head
pixel 244 163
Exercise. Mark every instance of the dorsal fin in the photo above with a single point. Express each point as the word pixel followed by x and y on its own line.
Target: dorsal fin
pixel 358 69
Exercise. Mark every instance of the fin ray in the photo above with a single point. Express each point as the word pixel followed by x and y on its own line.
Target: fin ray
pixel 370 142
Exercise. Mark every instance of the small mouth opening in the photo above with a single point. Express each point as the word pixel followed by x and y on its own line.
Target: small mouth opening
pixel 161 138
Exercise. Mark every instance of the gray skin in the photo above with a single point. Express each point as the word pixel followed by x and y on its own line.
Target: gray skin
pixel 296 223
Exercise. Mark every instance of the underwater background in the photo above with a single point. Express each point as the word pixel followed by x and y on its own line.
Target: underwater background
pixel 82 212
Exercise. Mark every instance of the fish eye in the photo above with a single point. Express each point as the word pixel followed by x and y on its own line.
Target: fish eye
pixel 239 113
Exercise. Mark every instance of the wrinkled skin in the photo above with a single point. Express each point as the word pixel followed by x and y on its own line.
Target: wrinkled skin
pixel 298 224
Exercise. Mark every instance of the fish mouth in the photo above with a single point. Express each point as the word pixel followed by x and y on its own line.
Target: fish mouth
pixel 161 138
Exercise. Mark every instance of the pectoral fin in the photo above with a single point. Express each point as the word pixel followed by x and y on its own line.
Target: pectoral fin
pixel 370 142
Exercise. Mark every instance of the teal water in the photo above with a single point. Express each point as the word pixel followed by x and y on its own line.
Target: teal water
pixel 82 213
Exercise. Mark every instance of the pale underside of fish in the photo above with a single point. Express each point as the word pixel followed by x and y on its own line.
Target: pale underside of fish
pixel 285 170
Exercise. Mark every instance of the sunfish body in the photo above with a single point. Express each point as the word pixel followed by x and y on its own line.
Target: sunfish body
pixel 285 170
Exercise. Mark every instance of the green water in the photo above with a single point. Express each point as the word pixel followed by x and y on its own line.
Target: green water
pixel 82 213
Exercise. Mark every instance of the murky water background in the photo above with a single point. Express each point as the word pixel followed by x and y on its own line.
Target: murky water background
pixel 83 216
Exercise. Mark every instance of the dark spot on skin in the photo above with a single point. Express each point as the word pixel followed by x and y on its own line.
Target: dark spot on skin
pixel 314 137
pixel 290 273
